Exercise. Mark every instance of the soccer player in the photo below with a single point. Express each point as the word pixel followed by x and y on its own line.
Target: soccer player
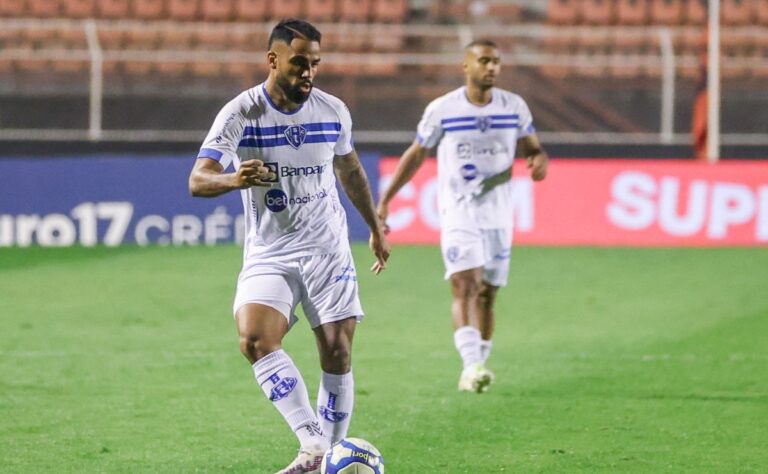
pixel 286 140
pixel 476 129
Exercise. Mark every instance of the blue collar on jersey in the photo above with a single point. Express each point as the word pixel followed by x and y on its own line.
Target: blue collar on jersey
pixel 269 99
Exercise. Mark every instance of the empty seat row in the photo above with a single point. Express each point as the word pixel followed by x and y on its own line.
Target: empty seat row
pixel 384 11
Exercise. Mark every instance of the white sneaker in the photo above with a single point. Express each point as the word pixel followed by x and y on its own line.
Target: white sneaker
pixel 475 378
pixel 306 462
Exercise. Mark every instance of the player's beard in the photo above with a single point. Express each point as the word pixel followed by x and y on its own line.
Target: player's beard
pixel 294 92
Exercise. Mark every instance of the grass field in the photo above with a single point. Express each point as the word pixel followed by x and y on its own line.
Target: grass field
pixel 607 360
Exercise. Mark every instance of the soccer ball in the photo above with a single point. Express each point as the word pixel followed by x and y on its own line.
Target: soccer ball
pixel 352 456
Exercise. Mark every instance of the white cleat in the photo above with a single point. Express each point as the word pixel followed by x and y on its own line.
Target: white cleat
pixel 305 462
pixel 475 378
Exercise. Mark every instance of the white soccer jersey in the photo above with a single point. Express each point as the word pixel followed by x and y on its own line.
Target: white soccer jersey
pixel 300 214
pixel 474 143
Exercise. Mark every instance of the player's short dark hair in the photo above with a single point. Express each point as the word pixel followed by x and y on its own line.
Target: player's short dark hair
pixel 482 42
pixel 291 28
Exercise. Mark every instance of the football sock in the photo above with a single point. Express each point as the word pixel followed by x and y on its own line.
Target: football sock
pixel 467 340
pixel 335 401
pixel 283 385
pixel 485 349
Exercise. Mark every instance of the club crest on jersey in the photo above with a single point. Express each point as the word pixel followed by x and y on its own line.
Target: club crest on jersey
pixel 295 134
pixel 483 123
pixel 283 386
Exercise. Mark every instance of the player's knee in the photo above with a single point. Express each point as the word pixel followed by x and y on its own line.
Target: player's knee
pixel 486 296
pixel 254 348
pixel 465 287
pixel 337 359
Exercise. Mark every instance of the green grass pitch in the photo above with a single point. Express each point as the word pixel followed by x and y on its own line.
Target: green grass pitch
pixel 607 360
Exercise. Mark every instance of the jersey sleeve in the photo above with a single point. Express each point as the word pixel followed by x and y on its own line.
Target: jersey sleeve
pixel 430 129
pixel 224 137
pixel 526 120
pixel 344 144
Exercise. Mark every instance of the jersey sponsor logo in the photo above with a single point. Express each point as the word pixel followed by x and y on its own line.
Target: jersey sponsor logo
pixel 468 172
pixel 295 134
pixel 329 412
pixel 282 387
pixel 276 200
pixel 290 171
pixel 452 254
pixel 223 131
pixel 483 123
pixel 273 168
pixel 464 151
pixel 347 274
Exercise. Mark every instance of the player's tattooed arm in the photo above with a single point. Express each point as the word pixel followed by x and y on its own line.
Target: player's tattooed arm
pixel 207 178
pixel 355 183
pixel 409 163
pixel 536 157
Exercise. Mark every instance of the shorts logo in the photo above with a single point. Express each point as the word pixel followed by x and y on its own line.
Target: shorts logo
pixel 275 200
pixel 347 274
pixel 483 123
pixel 464 151
pixel 295 134
pixel 468 172
pixel 452 254
pixel 329 411
pixel 282 387
pixel 503 255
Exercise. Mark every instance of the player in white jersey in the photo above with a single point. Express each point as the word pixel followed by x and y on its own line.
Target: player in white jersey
pixel 288 142
pixel 476 129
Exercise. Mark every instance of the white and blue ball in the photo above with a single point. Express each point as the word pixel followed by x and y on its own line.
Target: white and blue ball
pixel 352 456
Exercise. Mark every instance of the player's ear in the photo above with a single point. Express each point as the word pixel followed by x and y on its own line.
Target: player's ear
pixel 272 59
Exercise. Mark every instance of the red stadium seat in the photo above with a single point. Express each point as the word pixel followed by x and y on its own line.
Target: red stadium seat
pixel 251 10
pixel 79 8
pixel 632 12
pixel 667 12
pixel 321 10
pixel 563 12
pixel 597 12
pixel 184 10
pixel 148 9
pixel 696 12
pixel 13 8
pixel 354 11
pixel 45 8
pixel 113 9
pixel 218 10
pixel 737 12
pixel 287 9
pixel 390 11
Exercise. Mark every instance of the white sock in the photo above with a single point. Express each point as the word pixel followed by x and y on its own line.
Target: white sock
pixel 283 385
pixel 485 349
pixel 467 340
pixel 335 401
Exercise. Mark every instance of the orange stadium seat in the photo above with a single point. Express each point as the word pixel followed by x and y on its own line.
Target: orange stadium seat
pixel 210 40
pixel 737 12
pixel 563 12
pixel 632 12
pixel 737 45
pixel 287 9
pixel 597 12
pixel 251 10
pixel 113 9
pixel 45 8
pixel 148 9
pixel 502 11
pixel 667 12
pixel 696 12
pixel 624 47
pixel 79 8
pixel 174 40
pixel 321 10
pixel 140 40
pixel 217 10
pixel 559 46
pixel 184 10
pixel 355 11
pixel 590 44
pixel 390 11
pixel 761 10
pixel 12 8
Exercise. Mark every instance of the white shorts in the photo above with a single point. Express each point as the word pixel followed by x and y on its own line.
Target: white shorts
pixel 325 285
pixel 489 249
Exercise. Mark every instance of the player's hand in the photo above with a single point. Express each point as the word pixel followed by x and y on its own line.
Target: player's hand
pixel 381 249
pixel 538 165
pixel 253 173
pixel 383 211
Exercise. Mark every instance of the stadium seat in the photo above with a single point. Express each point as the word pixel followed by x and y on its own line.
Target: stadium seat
pixel 286 9
pixel 736 47
pixel 113 9
pixel 632 12
pixel 502 11
pixel 217 10
pixel 140 40
pixel 696 12
pixel 183 10
pixel 45 8
pixel 597 12
pixel 563 12
pixel 251 10
pixel 591 44
pixel 558 46
pixel 667 12
pixel 737 12
pixel 390 11
pixel 174 40
pixel 624 48
pixel 761 12
pixel 13 8
pixel 148 9
pixel 79 8
pixel 354 11
pixel 209 39
pixel 321 10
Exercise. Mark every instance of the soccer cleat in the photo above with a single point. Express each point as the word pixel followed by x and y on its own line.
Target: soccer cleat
pixel 475 378
pixel 305 462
